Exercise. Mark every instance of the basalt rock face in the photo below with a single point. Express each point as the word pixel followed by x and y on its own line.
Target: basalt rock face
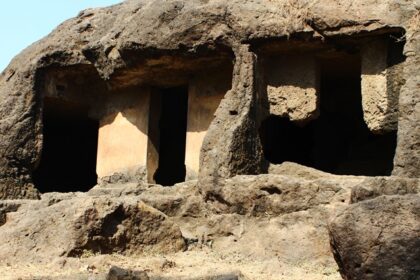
pixel 127 44
pixel 378 238
pixel 374 187
pixel 268 220
pixel 406 163
pixel 264 226
pixel 75 225
pixel 200 234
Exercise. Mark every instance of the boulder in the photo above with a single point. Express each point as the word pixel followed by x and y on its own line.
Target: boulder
pixel 273 194
pixel 117 273
pixel 378 238
pixel 182 200
pixel 87 226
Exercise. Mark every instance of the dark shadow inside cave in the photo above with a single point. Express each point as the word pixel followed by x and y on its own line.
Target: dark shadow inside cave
pixel 172 136
pixel 68 159
pixel 338 141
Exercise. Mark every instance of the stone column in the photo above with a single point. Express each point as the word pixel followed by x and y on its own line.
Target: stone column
pixel 379 98
pixel 232 145
pixel 407 157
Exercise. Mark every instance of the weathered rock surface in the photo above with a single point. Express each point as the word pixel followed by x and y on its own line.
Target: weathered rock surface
pixel 272 194
pixel 113 43
pixel 406 162
pixel 292 87
pixel 215 276
pixel 6 207
pixel 182 200
pixel 374 187
pixel 272 225
pixel 87 225
pixel 266 225
pixel 378 238
pixel 380 92
pixel 117 273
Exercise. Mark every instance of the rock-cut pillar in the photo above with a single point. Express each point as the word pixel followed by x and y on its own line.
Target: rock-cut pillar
pixel 232 145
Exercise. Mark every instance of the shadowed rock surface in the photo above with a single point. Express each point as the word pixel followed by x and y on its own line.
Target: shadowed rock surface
pixel 378 238
pixel 83 225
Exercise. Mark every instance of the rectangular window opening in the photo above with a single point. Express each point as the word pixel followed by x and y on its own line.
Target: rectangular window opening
pixel 338 140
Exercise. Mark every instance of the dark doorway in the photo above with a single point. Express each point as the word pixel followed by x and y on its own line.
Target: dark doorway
pixel 172 136
pixel 68 159
pixel 338 141
pixel 285 141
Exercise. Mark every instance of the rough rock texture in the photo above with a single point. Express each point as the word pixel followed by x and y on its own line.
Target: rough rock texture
pixel 272 227
pixel 268 226
pixel 136 175
pixel 293 87
pixel 378 238
pixel 234 217
pixel 117 273
pixel 380 107
pixel 232 145
pixel 6 207
pixel 129 43
pixel 272 195
pixel 407 157
pixel 374 187
pixel 83 225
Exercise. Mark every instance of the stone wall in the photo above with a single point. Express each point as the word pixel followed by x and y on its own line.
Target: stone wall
pixel 206 90
pixel 122 142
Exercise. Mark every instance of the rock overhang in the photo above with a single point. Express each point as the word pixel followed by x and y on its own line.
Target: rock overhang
pixel 188 26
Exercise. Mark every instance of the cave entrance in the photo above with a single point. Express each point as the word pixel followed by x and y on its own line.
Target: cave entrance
pixel 70 138
pixel 338 141
pixel 171 106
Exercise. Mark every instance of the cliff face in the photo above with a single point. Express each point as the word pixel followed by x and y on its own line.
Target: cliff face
pixel 119 43
pixel 328 84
